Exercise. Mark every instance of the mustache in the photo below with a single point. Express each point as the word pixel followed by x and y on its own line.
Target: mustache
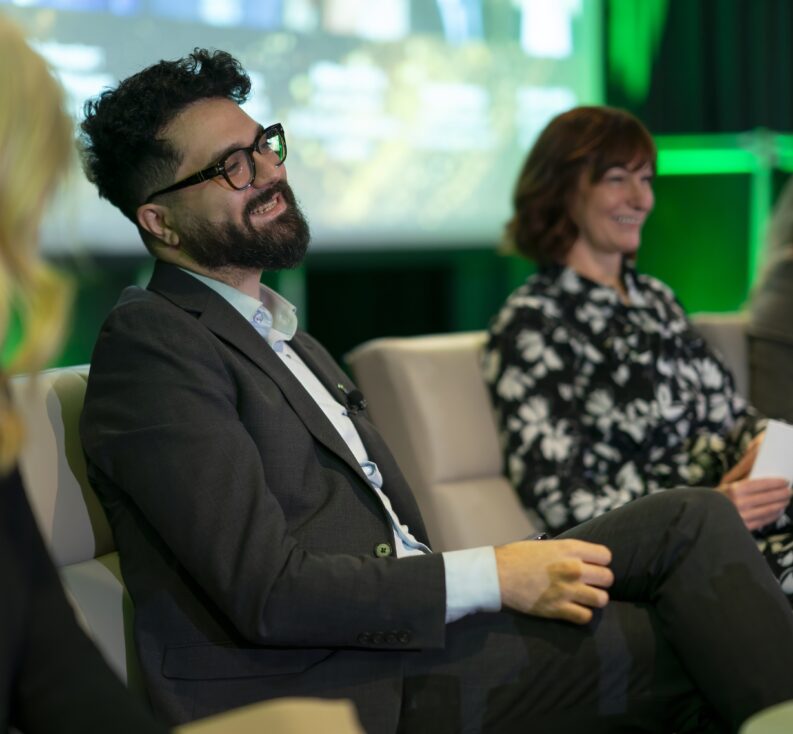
pixel 279 187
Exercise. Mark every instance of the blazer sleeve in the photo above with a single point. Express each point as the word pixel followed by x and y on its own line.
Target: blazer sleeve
pixel 162 423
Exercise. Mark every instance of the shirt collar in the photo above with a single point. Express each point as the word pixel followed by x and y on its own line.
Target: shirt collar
pixel 273 316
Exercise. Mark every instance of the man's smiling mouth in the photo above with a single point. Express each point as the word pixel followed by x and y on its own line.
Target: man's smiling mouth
pixel 268 205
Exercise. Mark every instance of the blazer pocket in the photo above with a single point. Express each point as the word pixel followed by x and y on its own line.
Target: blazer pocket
pixel 210 661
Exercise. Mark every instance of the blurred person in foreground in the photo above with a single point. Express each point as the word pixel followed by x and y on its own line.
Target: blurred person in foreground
pixel 270 543
pixel 52 679
pixel 603 390
pixel 770 327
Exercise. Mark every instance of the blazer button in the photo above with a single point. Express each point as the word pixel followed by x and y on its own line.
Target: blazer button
pixel 391 638
pixel 404 637
pixel 377 638
pixel 383 550
pixel 363 638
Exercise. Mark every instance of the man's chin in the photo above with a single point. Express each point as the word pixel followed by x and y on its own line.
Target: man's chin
pixel 279 244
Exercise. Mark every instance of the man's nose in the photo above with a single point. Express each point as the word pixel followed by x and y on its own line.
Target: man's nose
pixel 267 167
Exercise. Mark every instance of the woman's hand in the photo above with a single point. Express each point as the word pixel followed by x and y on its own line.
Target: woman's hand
pixel 746 462
pixel 758 501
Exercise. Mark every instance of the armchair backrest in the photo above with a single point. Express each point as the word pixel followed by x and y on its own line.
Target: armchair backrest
pixel 69 514
pixel 726 333
pixel 427 397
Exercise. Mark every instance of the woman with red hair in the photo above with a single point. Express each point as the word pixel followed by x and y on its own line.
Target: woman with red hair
pixel 602 389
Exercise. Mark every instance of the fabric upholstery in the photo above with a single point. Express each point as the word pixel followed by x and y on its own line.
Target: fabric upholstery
pixel 427 397
pixel 69 514
pixel 774 720
pixel 285 716
pixel 726 332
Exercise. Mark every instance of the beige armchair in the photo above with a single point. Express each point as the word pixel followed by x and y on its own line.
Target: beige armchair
pixel 69 514
pixel 427 396
pixel 726 333
pixel 282 716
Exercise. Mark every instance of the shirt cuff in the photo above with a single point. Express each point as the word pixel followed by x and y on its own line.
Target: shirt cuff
pixel 471 582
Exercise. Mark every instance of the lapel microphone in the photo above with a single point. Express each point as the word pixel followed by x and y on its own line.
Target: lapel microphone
pixel 353 399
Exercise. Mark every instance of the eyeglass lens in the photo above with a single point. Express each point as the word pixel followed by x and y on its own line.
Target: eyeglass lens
pixel 239 166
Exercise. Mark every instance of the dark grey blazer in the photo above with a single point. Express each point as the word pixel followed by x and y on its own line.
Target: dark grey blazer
pixel 247 531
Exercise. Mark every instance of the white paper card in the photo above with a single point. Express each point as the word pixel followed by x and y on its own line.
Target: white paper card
pixel 775 457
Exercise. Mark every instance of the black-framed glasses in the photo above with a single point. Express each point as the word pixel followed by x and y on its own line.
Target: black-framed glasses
pixel 237 167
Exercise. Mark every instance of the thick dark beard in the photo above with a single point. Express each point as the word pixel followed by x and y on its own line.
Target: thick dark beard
pixel 281 245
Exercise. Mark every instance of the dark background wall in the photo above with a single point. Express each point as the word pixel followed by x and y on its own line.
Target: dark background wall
pixel 350 297
pixel 714 65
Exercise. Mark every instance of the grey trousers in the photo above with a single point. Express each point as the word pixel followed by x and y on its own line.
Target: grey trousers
pixel 697 637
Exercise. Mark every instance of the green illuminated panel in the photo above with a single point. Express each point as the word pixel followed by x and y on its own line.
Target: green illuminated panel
pixel 754 154
pixel 719 160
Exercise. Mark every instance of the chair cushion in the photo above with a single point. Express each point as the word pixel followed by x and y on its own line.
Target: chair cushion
pixel 52 465
pixel 103 607
pixel 428 398
pixel 726 333
pixel 433 387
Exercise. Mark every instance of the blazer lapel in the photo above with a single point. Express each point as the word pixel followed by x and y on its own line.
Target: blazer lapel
pixel 228 325
pixel 330 375
pixel 395 485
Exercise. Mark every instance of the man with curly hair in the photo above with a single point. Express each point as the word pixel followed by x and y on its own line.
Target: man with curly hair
pixel 269 541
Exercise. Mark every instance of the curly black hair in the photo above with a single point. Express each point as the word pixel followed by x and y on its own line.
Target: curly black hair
pixel 123 153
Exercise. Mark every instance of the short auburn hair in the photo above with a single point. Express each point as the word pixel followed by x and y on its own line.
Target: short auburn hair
pixel 591 139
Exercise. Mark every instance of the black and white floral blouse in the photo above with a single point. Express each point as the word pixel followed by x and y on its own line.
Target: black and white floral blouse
pixel 599 402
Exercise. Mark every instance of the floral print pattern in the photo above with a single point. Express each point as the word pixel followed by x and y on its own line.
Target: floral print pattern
pixel 599 402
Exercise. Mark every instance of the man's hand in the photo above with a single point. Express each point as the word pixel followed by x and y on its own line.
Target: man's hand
pixel 758 501
pixel 561 579
pixel 746 462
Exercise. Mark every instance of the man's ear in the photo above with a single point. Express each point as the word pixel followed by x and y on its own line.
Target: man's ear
pixel 156 220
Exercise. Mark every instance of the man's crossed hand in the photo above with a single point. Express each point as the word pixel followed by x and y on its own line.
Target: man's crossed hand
pixel 559 579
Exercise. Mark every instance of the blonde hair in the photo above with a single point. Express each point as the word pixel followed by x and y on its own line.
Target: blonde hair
pixel 36 144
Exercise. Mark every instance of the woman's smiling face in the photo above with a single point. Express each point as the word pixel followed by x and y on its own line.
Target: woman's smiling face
pixel 611 212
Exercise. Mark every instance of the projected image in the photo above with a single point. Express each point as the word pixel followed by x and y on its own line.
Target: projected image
pixel 407 120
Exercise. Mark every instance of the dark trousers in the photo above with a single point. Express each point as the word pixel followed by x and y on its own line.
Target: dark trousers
pixel 697 637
